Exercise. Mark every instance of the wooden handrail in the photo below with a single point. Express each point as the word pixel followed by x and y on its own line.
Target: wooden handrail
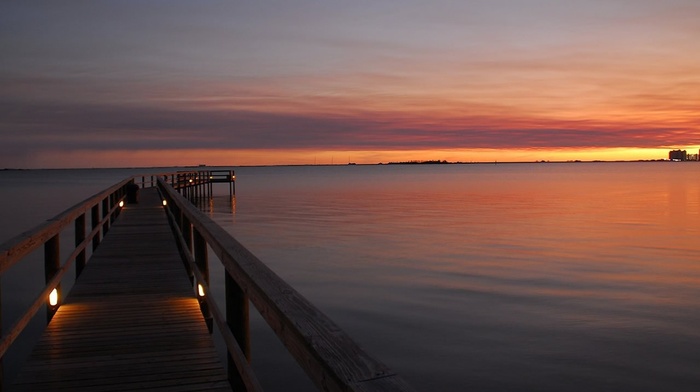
pixel 18 247
pixel 243 368
pixel 15 249
pixel 331 359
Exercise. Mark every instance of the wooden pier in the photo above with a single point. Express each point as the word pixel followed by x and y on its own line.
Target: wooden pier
pixel 131 322
pixel 140 315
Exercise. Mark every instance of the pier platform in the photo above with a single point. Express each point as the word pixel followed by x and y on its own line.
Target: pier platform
pixel 131 322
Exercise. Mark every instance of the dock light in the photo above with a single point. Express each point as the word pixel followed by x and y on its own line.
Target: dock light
pixel 53 297
pixel 121 203
pixel 191 180
pixel 233 177
pixel 165 202
pixel 200 290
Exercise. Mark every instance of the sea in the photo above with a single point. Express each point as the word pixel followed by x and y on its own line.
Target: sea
pixel 491 277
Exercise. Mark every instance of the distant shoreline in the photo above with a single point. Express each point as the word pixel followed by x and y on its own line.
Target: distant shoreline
pixel 416 162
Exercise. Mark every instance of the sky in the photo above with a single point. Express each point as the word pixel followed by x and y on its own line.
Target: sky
pixel 169 82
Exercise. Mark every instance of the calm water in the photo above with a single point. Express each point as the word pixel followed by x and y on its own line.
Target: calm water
pixel 509 277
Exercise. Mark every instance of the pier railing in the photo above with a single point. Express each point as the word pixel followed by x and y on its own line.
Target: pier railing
pixel 331 359
pixel 100 210
pixel 192 183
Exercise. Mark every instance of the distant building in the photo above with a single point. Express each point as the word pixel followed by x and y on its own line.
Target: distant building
pixel 678 155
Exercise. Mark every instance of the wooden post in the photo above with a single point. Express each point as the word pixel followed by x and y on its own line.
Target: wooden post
pixel 237 318
pixel 52 263
pixel 197 187
pixel 105 212
pixel 79 238
pixel 95 218
pixel 201 259
pixel 111 198
pixel 187 232
pixel 180 217
pixel 185 186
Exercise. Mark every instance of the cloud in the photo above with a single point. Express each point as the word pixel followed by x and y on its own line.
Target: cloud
pixel 369 76
pixel 28 127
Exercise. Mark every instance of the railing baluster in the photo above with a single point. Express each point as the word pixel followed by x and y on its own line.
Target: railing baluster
pixel 201 259
pixel 95 218
pixel 179 218
pixel 79 238
pixel 187 232
pixel 237 318
pixel 105 213
pixel 52 263
pixel 110 202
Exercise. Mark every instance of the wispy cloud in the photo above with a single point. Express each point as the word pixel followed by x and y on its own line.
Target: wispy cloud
pixel 374 76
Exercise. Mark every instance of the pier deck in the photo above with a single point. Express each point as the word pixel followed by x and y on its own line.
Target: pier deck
pixel 131 322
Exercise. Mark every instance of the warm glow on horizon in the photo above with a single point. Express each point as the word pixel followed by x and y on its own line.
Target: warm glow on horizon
pixel 165 158
pixel 248 84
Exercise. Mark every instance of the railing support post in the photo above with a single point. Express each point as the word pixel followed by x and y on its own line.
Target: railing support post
pixel 187 232
pixel 105 212
pixel 79 238
pixel 201 259
pixel 95 218
pixel 180 223
pixel 238 320
pixel 52 263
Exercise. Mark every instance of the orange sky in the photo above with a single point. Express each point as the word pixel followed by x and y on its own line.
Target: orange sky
pixel 241 84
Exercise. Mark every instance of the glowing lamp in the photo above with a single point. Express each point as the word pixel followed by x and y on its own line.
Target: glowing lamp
pixel 191 180
pixel 200 290
pixel 233 177
pixel 165 202
pixel 121 203
pixel 53 297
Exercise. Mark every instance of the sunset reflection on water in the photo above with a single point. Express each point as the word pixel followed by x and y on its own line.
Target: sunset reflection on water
pixel 497 277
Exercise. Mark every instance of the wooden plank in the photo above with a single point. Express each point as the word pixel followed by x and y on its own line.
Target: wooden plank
pixel 131 321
